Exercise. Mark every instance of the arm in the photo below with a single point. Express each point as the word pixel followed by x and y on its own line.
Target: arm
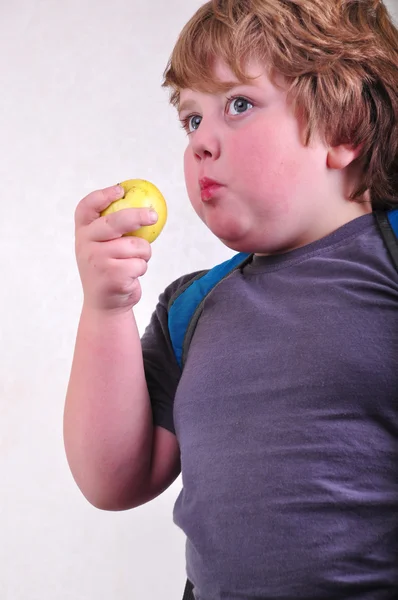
pixel 118 459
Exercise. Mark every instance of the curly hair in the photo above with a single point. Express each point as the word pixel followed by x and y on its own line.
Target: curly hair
pixel 339 59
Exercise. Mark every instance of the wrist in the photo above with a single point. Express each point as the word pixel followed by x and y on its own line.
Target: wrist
pixel 96 313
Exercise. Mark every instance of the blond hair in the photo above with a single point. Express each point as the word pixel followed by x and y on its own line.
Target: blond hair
pixel 338 57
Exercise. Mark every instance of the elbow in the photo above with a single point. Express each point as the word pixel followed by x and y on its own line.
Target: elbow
pixel 106 504
pixel 109 498
pixel 106 487
pixel 112 502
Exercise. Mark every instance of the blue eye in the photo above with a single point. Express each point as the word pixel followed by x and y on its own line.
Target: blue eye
pixel 195 121
pixel 191 124
pixel 239 105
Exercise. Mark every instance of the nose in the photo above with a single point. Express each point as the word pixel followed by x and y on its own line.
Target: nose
pixel 206 143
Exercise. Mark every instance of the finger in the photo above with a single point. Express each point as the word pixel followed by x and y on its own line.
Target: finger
pixel 114 225
pixel 129 268
pixel 90 207
pixel 126 247
pixel 138 268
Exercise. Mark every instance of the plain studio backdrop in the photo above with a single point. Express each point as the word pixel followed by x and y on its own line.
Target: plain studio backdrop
pixel 81 108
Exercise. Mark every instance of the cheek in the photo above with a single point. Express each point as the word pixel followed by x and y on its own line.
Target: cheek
pixel 191 178
pixel 189 170
pixel 273 162
pixel 267 173
pixel 264 155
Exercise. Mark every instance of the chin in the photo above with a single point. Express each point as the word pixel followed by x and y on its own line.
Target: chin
pixel 231 233
pixel 238 245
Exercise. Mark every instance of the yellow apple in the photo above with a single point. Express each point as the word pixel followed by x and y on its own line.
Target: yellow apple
pixel 140 193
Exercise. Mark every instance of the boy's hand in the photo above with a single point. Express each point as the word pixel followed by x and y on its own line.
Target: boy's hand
pixel 109 264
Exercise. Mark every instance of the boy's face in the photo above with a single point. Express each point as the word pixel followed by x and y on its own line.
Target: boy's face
pixel 275 192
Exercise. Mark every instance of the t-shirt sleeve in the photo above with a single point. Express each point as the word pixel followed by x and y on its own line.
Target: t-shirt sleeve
pixel 162 371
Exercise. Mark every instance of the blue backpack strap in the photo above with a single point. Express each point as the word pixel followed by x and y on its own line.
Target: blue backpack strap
pixel 388 225
pixel 186 305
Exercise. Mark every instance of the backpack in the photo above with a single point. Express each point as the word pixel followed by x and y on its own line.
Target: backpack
pixel 186 305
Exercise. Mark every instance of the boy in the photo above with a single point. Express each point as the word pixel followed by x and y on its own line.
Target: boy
pixel 284 421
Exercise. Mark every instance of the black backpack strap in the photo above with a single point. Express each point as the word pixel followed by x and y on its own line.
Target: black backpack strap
pixel 388 226
pixel 188 592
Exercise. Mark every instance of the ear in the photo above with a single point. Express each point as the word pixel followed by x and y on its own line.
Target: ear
pixel 339 157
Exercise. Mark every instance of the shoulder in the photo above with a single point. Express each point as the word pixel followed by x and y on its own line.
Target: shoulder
pixel 176 287
pixel 380 247
pixel 360 243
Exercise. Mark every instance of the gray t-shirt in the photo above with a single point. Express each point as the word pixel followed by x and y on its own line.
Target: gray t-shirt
pixel 287 419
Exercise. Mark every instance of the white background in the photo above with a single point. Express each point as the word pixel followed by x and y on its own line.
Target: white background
pixel 81 108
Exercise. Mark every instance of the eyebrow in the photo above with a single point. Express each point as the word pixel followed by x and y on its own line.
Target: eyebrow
pixel 191 104
pixel 187 105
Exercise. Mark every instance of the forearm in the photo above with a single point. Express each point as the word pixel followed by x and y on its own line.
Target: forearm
pixel 108 418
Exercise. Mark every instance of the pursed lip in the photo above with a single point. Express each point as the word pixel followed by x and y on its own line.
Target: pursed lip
pixel 206 183
pixel 208 188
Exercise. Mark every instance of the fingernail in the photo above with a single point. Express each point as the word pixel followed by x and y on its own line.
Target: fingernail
pixel 153 216
pixel 119 189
